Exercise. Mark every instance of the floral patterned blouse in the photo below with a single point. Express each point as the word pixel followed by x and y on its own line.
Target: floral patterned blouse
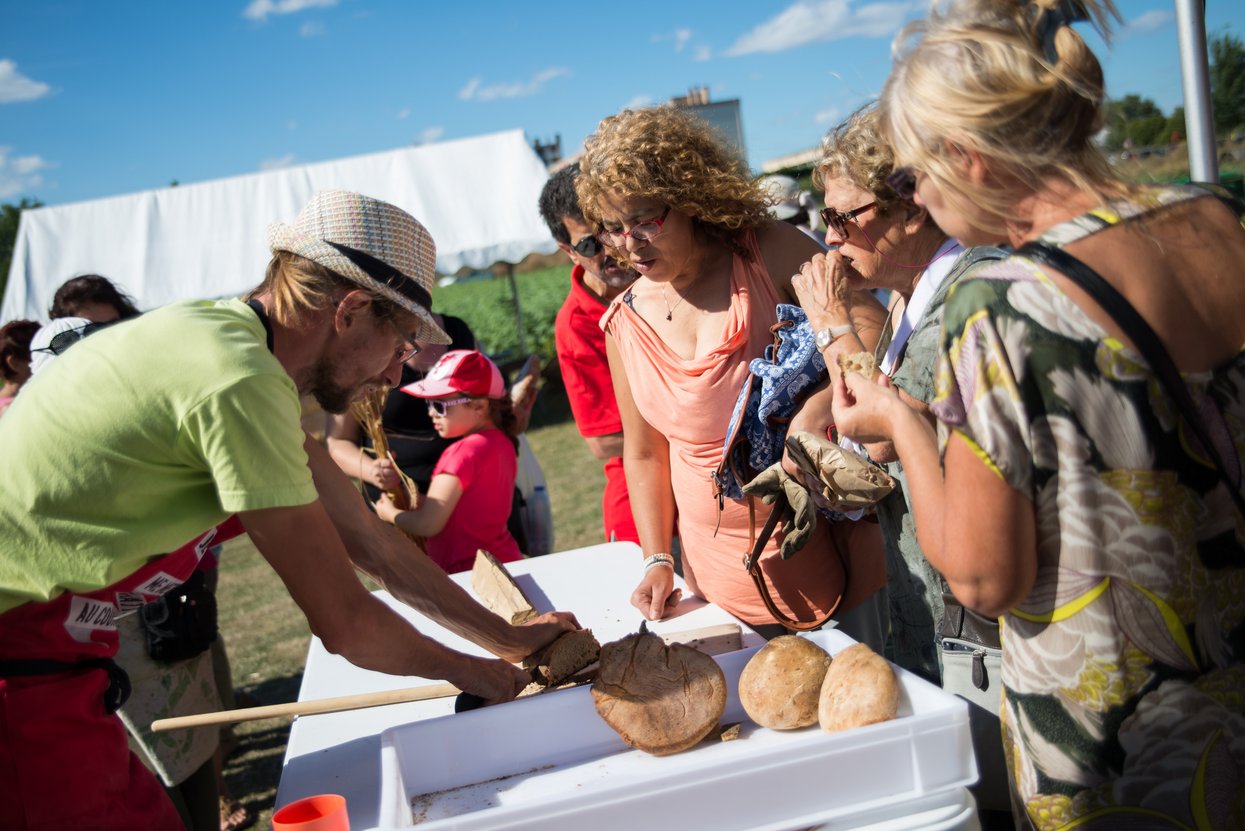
pixel 1123 673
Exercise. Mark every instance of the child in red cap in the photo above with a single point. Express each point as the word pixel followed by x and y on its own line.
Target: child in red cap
pixel 469 497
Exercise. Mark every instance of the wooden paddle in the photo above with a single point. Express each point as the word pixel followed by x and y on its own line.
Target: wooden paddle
pixel 305 708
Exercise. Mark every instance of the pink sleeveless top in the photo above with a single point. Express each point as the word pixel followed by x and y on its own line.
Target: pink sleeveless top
pixel 690 402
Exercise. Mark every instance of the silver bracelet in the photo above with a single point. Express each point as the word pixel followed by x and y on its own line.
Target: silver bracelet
pixel 661 559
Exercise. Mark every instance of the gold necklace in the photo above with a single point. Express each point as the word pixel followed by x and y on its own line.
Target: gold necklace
pixel 670 309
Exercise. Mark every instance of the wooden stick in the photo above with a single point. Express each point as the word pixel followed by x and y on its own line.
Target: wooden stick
pixel 711 640
pixel 306 708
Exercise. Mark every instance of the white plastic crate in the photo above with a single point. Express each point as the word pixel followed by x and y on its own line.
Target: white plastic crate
pixel 551 761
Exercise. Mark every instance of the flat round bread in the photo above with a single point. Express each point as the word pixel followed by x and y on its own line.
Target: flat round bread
pixel 661 699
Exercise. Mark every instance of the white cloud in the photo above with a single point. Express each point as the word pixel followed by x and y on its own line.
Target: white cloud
pixel 1149 22
pixel 639 102
pixel 816 21
pixel 260 9
pixel 14 86
pixel 702 53
pixel 404 113
pixel 681 37
pixel 826 116
pixel 430 135
pixel 476 91
pixel 311 29
pixel 20 175
pixel 277 163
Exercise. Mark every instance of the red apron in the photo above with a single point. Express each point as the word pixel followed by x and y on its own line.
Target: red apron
pixel 64 757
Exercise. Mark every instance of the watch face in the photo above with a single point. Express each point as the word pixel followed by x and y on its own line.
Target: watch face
pixel 823 338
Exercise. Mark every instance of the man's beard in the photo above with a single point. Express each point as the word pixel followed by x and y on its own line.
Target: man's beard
pixel 330 395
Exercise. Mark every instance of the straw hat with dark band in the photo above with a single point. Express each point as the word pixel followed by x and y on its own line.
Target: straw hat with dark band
pixel 382 248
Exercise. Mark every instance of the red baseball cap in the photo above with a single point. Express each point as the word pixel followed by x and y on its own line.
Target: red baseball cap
pixel 461 371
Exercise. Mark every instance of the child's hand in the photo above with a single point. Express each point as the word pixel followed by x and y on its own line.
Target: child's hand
pixel 382 474
pixel 386 510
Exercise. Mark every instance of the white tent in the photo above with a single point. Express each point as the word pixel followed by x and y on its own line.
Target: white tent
pixel 476 196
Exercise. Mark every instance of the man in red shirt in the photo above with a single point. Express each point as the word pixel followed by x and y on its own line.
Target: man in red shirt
pixel 596 279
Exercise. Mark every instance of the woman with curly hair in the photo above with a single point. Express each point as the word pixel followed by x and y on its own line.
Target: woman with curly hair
pixel 1076 501
pixel 673 202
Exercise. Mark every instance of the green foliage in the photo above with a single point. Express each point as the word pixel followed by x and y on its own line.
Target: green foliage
pixel 1227 82
pixel 488 308
pixel 1136 120
pixel 9 217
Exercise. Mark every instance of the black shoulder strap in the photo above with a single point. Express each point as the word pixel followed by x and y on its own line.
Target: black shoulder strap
pixel 1146 341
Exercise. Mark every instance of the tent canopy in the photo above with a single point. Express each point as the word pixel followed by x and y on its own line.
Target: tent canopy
pixel 476 196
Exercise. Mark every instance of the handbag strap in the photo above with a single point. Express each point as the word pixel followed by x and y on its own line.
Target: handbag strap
pixel 752 563
pixel 1146 341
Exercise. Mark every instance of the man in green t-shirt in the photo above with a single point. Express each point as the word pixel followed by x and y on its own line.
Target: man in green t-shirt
pixel 152 432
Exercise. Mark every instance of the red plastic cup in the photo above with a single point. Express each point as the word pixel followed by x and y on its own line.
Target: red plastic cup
pixel 323 812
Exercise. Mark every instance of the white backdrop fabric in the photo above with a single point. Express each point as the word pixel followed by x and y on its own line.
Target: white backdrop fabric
pixel 476 196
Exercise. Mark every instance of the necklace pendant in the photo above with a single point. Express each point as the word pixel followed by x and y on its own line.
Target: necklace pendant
pixel 669 315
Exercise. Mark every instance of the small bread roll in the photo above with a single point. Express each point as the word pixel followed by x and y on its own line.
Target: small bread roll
pixel 861 362
pixel 780 686
pixel 860 688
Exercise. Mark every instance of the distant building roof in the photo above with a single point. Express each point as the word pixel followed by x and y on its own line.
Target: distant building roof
pixel 802 159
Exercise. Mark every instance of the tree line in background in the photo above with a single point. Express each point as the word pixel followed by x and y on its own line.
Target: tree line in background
pixel 1132 122
pixel 1136 122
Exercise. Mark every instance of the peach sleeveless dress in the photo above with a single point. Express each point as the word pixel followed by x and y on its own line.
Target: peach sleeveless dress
pixel 690 402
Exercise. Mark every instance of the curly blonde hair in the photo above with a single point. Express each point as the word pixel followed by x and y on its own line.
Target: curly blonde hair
pixel 672 156
pixel 1010 80
pixel 857 150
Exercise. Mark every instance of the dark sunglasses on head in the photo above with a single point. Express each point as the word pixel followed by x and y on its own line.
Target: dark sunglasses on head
pixel 902 180
pixel 63 340
pixel 589 246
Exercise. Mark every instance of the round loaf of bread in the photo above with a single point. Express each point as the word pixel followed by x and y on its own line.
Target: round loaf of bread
pixel 860 688
pixel 661 699
pixel 781 685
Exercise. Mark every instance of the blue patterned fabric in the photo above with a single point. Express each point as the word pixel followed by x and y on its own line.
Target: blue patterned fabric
pixel 778 382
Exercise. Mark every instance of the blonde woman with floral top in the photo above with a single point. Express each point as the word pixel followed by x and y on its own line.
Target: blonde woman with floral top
pixel 1074 502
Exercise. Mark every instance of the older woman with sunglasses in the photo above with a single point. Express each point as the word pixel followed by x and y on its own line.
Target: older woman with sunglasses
pixel 881 240
pixel 1076 500
pixel 673 201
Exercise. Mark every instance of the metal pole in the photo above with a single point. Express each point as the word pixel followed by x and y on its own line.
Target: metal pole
pixel 518 315
pixel 1198 116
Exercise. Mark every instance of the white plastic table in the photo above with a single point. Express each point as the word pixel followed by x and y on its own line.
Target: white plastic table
pixel 340 752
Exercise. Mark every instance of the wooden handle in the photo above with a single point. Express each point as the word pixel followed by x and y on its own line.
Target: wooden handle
pixel 306 708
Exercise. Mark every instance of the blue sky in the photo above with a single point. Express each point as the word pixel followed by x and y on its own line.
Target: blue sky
pixel 102 98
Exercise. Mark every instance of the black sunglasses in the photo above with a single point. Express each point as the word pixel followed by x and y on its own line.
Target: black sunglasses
pixel 63 340
pixel 589 246
pixel 837 220
pixel 902 180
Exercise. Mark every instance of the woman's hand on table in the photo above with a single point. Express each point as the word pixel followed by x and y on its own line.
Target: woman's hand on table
pixel 656 595
pixel 539 632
